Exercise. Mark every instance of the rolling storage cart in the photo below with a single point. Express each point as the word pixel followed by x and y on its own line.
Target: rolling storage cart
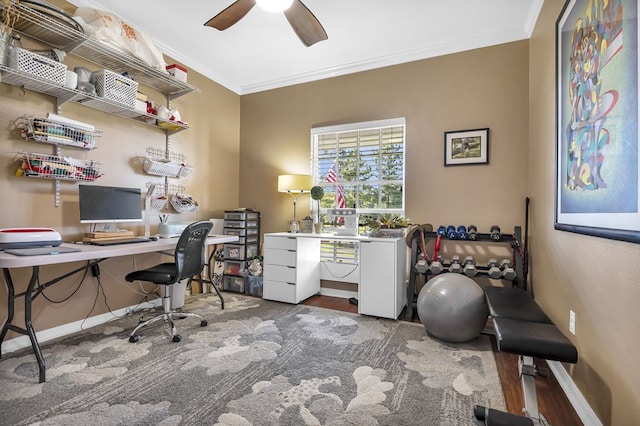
pixel 245 224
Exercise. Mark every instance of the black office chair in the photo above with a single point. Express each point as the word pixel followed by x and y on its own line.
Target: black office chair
pixel 189 261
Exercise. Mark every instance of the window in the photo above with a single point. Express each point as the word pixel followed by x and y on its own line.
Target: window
pixel 359 165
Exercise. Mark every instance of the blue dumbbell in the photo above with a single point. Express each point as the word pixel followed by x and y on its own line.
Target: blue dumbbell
pixel 462 232
pixel 441 230
pixel 451 232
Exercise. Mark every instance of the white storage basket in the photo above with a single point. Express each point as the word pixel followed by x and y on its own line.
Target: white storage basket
pixel 158 202
pixel 184 203
pixel 37 65
pixel 161 168
pixel 116 87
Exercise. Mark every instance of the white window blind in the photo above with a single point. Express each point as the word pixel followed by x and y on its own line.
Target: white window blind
pixel 359 165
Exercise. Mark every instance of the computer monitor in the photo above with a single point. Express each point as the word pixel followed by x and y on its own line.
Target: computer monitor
pixel 109 204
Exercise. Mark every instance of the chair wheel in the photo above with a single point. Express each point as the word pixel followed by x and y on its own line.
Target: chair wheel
pixel 203 323
pixel 134 338
pixel 177 338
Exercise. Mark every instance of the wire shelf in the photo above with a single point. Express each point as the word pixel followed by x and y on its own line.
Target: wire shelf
pixel 58 167
pixel 68 36
pixel 53 132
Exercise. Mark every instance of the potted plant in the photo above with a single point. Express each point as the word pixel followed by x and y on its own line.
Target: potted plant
pixel 316 194
pixel 387 226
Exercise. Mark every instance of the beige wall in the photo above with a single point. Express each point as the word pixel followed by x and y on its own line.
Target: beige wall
pixel 480 88
pixel 596 278
pixel 211 146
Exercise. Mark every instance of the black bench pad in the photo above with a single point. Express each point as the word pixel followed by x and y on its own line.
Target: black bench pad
pixel 534 339
pixel 491 417
pixel 509 302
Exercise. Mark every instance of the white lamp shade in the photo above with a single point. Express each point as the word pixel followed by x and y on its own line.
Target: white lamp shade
pixel 294 183
pixel 274 5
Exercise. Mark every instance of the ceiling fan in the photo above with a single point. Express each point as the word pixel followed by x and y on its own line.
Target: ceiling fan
pixel 304 23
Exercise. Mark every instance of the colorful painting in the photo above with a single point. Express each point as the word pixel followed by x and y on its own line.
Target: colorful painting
pixel 597 105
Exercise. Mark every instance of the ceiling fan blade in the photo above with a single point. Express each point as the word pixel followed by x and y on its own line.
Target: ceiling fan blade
pixel 231 14
pixel 305 24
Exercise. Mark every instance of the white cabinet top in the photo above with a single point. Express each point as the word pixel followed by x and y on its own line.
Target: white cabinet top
pixel 331 236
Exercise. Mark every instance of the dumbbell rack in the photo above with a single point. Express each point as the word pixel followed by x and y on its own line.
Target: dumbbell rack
pixel 515 241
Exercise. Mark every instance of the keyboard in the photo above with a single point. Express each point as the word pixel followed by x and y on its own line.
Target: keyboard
pixel 122 241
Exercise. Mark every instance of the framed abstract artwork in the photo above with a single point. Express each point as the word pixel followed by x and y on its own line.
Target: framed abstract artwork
pixel 466 147
pixel 597 181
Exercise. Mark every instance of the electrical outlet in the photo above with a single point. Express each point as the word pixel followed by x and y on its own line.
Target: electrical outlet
pixel 572 322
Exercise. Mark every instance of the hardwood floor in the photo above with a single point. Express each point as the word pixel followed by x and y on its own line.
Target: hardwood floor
pixel 552 401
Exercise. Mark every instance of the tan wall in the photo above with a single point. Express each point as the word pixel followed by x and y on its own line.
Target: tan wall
pixel 211 146
pixel 480 88
pixel 596 278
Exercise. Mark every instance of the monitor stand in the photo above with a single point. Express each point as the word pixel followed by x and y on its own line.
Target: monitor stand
pixel 109 230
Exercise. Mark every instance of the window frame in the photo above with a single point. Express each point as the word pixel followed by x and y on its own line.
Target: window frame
pixel 361 127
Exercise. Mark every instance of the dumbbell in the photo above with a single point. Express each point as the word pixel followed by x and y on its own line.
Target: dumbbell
pixel 495 233
pixel 469 268
pixel 472 232
pixel 441 230
pixel 461 232
pixel 451 232
pixel 436 266
pixel 422 266
pixel 455 266
pixel 494 270
pixel 508 273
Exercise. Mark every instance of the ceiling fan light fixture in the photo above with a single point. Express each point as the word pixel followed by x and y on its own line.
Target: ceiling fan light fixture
pixel 274 5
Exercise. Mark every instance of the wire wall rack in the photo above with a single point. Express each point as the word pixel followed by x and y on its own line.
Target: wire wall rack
pixel 58 167
pixel 161 162
pixel 160 196
pixel 53 132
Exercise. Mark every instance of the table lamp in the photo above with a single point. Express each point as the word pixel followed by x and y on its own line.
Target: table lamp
pixel 294 185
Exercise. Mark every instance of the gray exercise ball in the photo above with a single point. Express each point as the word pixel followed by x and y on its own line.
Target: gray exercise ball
pixel 452 307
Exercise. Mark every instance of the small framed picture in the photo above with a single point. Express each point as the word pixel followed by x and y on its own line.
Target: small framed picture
pixel 463 147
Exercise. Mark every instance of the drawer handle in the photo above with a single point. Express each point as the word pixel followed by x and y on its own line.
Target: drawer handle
pixel 291 283
pixel 291 267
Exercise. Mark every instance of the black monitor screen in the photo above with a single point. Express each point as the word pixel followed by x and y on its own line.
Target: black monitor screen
pixel 106 204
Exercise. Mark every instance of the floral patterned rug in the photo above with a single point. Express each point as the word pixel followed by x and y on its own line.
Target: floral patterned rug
pixel 256 363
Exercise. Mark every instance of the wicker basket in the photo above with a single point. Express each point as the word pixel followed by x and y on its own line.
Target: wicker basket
pixel 116 87
pixel 37 65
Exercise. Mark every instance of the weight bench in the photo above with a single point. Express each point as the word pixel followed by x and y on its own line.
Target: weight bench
pixel 521 327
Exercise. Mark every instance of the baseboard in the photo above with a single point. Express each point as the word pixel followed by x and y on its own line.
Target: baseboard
pixel 73 327
pixel 574 395
pixel 333 292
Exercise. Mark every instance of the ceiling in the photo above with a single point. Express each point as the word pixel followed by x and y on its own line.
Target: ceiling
pixel 262 52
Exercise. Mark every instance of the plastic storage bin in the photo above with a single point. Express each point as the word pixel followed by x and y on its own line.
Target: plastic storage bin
pixel 241 215
pixel 37 65
pixel 235 267
pixel 254 286
pixel 231 283
pixel 116 87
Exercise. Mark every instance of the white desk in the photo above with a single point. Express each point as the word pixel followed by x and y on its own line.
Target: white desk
pixel 90 253
pixel 292 270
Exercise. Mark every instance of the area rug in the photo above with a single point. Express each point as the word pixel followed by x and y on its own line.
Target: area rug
pixel 256 363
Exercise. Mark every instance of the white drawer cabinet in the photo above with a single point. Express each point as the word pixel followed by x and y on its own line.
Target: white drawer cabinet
pixel 291 268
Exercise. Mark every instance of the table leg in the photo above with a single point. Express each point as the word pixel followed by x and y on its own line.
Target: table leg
pixel 28 330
